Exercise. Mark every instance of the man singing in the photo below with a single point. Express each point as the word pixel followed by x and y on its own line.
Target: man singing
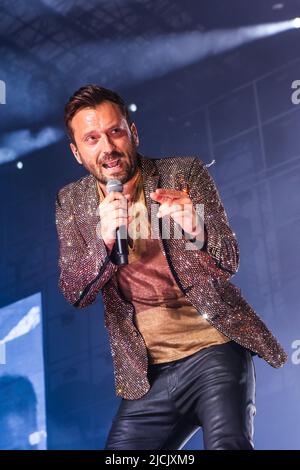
pixel 182 336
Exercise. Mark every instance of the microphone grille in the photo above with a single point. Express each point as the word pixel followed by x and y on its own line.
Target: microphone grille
pixel 114 185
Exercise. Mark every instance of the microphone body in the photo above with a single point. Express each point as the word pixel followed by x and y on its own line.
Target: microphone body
pixel 121 232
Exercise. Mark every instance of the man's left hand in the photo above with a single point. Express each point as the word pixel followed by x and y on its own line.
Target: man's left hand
pixel 180 207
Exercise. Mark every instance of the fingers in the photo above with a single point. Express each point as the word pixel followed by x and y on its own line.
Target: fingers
pixel 172 209
pixel 113 211
pixel 182 214
pixel 168 193
pixel 113 201
pixel 116 204
pixel 167 199
pixel 114 195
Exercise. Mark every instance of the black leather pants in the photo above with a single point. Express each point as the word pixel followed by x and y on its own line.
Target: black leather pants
pixel 213 388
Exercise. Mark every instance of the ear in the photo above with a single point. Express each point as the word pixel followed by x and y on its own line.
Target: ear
pixel 135 134
pixel 76 153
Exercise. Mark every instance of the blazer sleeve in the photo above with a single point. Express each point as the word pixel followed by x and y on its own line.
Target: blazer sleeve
pixel 85 267
pixel 220 241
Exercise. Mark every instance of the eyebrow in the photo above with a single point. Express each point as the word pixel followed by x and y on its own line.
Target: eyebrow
pixel 95 131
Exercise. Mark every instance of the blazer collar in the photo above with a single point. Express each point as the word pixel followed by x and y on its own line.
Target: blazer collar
pixel 150 178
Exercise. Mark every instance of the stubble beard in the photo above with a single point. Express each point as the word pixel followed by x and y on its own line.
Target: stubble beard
pixel 128 170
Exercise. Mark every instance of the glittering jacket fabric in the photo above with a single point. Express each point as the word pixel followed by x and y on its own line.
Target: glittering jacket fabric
pixel 202 274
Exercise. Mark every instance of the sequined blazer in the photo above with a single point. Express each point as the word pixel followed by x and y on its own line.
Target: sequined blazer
pixel 203 275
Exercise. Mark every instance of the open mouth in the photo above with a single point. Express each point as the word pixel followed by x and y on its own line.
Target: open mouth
pixel 112 164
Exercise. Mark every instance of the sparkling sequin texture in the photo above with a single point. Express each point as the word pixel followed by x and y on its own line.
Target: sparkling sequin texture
pixel 203 275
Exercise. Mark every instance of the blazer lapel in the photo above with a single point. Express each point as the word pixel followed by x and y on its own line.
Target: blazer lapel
pixel 150 183
pixel 150 178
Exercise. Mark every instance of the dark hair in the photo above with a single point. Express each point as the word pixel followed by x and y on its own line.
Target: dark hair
pixel 90 96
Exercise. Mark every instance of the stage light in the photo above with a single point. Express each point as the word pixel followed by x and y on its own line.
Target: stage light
pixel 16 144
pixel 296 22
pixel 278 6
pixel 132 107
pixel 19 165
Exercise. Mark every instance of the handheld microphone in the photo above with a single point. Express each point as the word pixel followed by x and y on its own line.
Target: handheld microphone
pixel 121 232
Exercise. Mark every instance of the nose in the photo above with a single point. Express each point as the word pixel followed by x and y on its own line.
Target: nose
pixel 107 144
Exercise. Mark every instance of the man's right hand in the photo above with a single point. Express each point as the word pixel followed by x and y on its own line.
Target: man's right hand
pixel 113 211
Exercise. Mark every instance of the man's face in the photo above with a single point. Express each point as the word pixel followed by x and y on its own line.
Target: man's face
pixel 105 145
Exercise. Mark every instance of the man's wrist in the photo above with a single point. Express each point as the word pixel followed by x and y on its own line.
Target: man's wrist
pixel 197 237
pixel 195 234
pixel 197 231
